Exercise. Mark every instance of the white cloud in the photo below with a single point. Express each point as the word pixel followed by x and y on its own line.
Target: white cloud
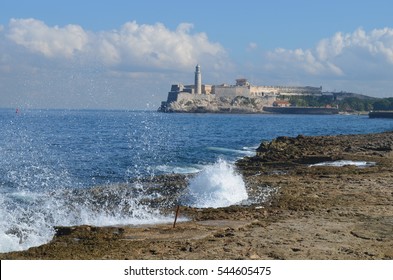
pixel 343 55
pixel 132 47
pixel 295 60
pixel 155 46
pixel 36 36
pixel 378 42
pixel 327 48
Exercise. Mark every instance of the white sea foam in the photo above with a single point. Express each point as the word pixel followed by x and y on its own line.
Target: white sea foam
pixel 178 170
pixel 341 163
pixel 28 218
pixel 217 185
pixel 245 151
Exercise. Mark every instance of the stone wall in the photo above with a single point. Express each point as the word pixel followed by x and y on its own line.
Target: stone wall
pixel 231 91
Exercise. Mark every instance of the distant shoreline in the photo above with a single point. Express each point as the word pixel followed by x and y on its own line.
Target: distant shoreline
pixel 381 114
pixel 266 110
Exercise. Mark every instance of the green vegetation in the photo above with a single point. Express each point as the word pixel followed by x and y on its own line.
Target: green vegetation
pixel 346 102
pixel 383 104
pixel 356 104
pixel 311 101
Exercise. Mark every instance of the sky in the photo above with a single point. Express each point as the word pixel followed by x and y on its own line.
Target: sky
pixel 122 54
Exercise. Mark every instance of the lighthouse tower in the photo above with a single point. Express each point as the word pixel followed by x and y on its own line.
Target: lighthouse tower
pixel 198 80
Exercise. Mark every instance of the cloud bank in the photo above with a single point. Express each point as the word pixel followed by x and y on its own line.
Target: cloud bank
pixel 37 37
pixel 357 54
pixel 133 47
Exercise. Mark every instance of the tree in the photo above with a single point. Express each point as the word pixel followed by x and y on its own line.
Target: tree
pixel 383 104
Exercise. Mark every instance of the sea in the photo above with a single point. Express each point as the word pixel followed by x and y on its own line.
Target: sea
pixel 74 167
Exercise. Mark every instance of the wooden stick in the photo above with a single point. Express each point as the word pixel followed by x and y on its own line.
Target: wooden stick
pixel 177 214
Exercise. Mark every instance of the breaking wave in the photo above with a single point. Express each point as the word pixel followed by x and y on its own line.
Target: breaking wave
pixel 29 218
pixel 217 185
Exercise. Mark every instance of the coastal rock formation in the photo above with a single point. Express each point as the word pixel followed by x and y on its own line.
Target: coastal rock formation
pixel 312 149
pixel 211 104
pixel 314 211
pixel 288 153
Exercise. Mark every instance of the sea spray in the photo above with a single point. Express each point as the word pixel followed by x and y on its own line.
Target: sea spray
pixel 28 218
pixel 24 222
pixel 217 185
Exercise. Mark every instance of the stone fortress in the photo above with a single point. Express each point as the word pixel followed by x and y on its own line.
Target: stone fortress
pixel 239 98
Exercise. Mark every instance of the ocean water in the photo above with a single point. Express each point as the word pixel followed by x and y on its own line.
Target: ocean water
pixel 73 167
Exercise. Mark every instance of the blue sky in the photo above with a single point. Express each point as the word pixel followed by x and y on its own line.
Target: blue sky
pixel 126 54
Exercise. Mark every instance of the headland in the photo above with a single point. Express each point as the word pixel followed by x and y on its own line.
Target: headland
pixel 242 97
pixel 316 211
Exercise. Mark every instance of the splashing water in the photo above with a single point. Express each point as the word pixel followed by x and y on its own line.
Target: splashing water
pixel 218 185
pixel 28 218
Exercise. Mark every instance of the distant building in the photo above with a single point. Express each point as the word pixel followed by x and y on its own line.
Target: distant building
pixel 281 103
pixel 200 91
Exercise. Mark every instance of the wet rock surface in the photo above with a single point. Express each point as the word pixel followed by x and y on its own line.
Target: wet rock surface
pixel 318 212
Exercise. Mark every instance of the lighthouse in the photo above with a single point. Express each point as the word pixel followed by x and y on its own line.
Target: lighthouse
pixel 198 80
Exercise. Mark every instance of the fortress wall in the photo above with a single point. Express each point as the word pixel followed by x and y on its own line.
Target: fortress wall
pixel 263 91
pixel 185 96
pixel 172 96
pixel 243 91
pixel 285 90
pixel 249 91
pixel 231 91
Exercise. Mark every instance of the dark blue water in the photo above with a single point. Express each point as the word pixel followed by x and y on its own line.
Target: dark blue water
pixel 46 154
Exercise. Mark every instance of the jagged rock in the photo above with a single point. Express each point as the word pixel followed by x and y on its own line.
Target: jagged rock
pixel 306 148
pixel 209 104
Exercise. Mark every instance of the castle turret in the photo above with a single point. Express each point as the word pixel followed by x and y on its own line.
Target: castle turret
pixel 198 80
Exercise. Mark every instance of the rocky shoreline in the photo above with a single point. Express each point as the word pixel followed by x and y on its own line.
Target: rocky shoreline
pixel 223 105
pixel 314 212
